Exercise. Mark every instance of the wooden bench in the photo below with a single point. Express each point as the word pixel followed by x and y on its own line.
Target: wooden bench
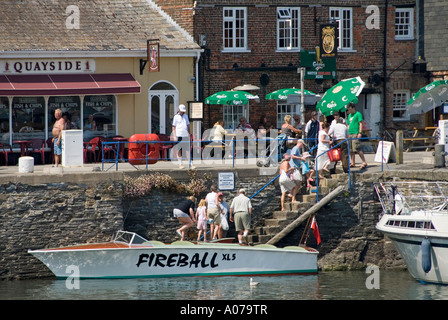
pixel 428 143
pixel 425 137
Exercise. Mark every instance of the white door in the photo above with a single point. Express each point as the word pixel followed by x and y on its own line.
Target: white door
pixel 163 102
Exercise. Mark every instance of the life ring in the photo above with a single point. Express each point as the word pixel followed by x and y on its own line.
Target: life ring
pixel 138 148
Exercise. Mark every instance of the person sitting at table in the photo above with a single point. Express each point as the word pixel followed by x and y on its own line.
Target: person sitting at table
pixel 245 129
pixel 91 124
pixel 58 126
pixel 288 128
pixel 219 132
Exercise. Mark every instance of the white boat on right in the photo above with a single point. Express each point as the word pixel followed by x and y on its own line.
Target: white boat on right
pixel 415 218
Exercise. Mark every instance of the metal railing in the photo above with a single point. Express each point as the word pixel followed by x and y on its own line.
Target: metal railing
pixel 115 147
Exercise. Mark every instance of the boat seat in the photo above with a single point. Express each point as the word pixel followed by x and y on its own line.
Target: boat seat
pixel 297 248
pixel 183 243
pixel 154 242
pixel 266 246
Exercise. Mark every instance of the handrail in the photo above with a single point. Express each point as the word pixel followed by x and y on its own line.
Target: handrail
pixel 264 187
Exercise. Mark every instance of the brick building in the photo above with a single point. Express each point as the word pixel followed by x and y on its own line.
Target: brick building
pixel 259 43
pixel 432 48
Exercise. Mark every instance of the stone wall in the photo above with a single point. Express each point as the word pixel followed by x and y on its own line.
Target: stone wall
pixel 36 214
pixel 51 215
pixel 42 215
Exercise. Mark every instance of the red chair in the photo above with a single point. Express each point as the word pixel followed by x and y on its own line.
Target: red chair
pixel 109 150
pixel 36 146
pixel 5 150
pixel 164 148
pixel 92 150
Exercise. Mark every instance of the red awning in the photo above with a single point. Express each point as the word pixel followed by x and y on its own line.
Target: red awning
pixel 67 84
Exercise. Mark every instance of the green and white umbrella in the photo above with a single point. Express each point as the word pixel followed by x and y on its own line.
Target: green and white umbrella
pixel 428 97
pixel 232 98
pixel 338 97
pixel 282 94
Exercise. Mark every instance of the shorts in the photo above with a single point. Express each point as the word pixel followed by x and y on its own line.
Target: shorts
pixel 183 139
pixel 180 214
pixel 213 213
pixel 57 149
pixel 202 225
pixel 242 220
pixel 355 145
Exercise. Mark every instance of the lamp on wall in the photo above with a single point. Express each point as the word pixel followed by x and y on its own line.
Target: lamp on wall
pixel 419 65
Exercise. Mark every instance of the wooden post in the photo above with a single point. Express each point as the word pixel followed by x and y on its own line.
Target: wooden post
pixel 313 210
pixel 399 149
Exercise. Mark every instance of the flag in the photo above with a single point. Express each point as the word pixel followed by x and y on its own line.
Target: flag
pixel 315 230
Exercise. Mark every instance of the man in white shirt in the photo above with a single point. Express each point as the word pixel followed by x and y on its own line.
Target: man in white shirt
pixel 241 208
pixel 181 133
pixel 339 133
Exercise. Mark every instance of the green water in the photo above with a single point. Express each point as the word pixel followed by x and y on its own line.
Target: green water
pixel 353 285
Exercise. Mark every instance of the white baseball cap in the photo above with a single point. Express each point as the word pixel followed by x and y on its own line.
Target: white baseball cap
pixel 182 108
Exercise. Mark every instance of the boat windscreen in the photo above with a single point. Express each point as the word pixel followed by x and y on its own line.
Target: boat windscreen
pixel 129 237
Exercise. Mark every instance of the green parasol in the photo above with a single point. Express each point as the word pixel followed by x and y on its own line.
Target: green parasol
pixel 282 94
pixel 428 97
pixel 338 97
pixel 232 98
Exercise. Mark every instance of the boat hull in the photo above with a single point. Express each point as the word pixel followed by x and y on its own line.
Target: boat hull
pixel 409 245
pixel 178 260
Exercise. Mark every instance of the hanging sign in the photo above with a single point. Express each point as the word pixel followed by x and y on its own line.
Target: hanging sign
pixel 316 66
pixel 153 56
pixel 328 40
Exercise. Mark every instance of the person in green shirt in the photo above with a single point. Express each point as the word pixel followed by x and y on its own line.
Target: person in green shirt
pixel 354 124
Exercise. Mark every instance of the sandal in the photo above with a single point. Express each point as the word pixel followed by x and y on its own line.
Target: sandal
pixel 363 166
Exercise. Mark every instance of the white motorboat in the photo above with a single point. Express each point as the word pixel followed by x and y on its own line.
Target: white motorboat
pixel 415 218
pixel 130 256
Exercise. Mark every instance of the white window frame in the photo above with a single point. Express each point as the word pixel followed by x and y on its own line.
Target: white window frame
pixel 231 114
pixel 230 23
pixel 344 18
pixel 288 23
pixel 405 24
pixel 284 109
pixel 399 103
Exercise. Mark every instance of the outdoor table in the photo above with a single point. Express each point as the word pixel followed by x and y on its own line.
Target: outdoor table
pixel 424 135
pixel 23 144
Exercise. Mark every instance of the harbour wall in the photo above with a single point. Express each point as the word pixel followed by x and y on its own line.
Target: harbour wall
pixel 58 210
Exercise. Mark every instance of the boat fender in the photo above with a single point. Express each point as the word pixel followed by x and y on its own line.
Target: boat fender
pixel 426 255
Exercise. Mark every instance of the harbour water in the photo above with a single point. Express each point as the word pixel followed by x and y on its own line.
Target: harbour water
pixel 338 285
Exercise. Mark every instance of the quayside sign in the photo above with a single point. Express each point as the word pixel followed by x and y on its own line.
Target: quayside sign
pixel 46 66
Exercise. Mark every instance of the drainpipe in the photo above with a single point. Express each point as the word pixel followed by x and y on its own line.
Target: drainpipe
pixel 385 66
pixel 198 57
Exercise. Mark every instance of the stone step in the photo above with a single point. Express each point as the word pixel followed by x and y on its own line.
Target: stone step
pixel 275 222
pixel 306 198
pixel 268 230
pixel 285 214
